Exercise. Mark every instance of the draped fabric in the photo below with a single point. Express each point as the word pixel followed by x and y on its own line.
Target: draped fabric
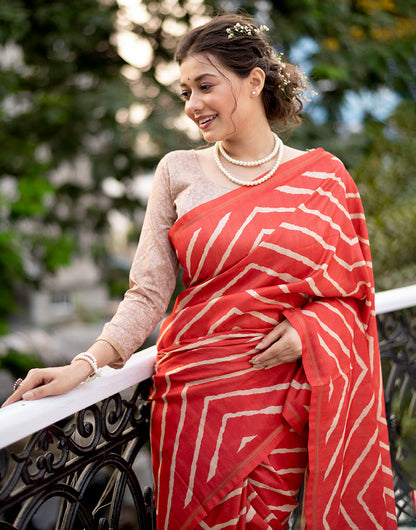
pixel 294 247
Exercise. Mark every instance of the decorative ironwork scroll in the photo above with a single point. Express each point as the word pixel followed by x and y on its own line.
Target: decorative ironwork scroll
pixel 81 475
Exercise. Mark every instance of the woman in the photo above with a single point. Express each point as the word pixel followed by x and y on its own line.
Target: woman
pixel 267 369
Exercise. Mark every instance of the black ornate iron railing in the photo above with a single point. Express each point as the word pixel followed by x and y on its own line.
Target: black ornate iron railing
pixel 397 334
pixel 81 473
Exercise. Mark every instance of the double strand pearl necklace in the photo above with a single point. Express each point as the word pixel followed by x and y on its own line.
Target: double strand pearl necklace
pixel 251 163
pixel 256 182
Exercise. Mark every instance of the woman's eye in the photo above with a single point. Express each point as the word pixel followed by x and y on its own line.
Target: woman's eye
pixel 186 94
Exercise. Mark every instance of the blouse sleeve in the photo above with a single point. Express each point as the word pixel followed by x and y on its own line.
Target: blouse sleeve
pixel 152 275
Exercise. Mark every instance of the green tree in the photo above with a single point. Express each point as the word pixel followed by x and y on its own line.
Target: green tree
pixel 60 90
pixel 387 182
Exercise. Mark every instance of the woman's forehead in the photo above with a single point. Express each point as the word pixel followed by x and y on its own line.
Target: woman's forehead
pixel 200 65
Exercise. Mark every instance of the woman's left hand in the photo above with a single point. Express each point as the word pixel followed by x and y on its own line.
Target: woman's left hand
pixel 282 345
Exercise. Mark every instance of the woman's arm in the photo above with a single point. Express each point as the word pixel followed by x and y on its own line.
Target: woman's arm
pixel 152 280
pixel 152 275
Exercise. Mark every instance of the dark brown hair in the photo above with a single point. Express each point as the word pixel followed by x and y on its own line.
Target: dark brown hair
pixel 284 82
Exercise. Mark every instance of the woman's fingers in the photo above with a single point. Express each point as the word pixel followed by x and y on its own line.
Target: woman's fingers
pixel 39 385
pixel 43 382
pixel 271 337
pixel 283 344
pixel 34 378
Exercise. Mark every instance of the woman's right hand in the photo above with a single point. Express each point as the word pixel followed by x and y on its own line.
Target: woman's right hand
pixel 42 382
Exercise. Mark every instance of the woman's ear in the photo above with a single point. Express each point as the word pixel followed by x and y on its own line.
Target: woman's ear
pixel 256 80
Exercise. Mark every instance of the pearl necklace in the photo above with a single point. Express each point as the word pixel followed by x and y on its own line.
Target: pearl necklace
pixel 256 182
pixel 251 163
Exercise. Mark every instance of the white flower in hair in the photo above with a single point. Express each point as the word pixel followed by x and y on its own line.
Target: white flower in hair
pixel 261 29
pixel 245 30
pixel 298 85
pixel 278 57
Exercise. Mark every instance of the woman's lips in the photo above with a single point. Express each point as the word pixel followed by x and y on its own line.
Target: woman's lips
pixel 206 121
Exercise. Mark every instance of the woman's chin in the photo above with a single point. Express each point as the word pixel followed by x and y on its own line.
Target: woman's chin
pixel 212 136
pixel 209 136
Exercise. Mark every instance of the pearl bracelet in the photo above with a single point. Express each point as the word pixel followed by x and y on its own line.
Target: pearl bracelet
pixel 90 359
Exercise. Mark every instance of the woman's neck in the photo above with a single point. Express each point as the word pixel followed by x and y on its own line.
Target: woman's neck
pixel 253 145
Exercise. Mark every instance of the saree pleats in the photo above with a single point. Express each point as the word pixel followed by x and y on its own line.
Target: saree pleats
pixel 268 495
pixel 216 418
pixel 229 441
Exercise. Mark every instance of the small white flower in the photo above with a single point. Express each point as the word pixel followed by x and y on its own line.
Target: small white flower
pixel 245 30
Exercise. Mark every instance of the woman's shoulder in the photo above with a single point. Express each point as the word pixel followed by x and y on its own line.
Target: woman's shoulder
pixel 181 169
pixel 319 159
pixel 179 158
pixel 332 169
pixel 328 159
pixel 318 156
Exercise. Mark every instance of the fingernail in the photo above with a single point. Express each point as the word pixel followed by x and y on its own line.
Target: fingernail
pixel 259 346
pixel 28 396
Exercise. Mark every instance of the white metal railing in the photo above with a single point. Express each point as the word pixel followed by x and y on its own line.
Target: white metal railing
pixel 27 417
pixel 395 299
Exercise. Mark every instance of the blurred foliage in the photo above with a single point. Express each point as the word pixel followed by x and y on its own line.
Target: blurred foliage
pixel 404 413
pixel 10 268
pixel 19 363
pixel 77 119
pixel 407 445
pixel 387 182
pixel 60 90
pixel 361 44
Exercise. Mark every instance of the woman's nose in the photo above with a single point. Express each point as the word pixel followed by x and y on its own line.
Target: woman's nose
pixel 193 104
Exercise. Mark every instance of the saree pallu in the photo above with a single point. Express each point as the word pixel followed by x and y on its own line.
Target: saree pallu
pixel 295 247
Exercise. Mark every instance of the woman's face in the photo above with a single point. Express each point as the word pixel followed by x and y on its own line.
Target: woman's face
pixel 216 99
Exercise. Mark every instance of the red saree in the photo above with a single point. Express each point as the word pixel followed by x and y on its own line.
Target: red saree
pixel 228 441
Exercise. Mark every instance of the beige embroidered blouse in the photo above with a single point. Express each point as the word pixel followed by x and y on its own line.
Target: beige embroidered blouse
pixel 179 186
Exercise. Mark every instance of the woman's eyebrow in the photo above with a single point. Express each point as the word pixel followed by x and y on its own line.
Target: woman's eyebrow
pixel 199 77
